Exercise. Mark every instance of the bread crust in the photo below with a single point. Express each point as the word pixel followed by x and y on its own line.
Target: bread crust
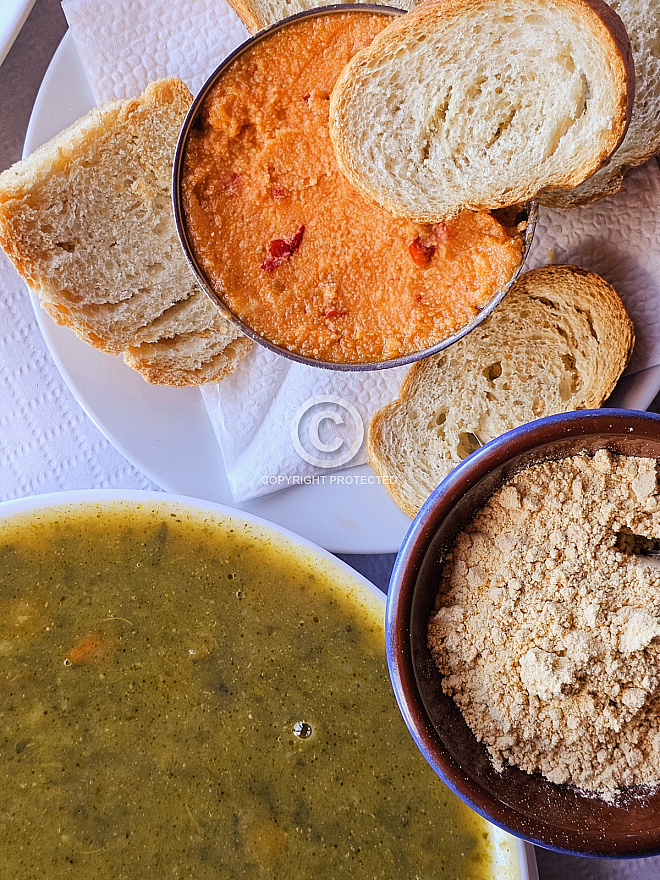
pixel 180 373
pixel 396 458
pixel 257 16
pixel 249 15
pixel 65 209
pixel 608 32
pixel 642 140
pixel 583 195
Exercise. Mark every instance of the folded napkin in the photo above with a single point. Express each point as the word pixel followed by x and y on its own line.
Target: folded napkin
pixel 125 44
pixel 279 422
pixel 619 238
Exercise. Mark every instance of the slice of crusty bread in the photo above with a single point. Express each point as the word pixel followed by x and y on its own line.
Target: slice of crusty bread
pixel 193 358
pixel 642 140
pixel 482 103
pixel 258 14
pixel 88 223
pixel 558 342
pixel 189 344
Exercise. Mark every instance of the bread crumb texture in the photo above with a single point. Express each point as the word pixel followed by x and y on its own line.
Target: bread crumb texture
pixel 642 139
pixel 87 221
pixel 482 104
pixel 558 341
pixel 547 622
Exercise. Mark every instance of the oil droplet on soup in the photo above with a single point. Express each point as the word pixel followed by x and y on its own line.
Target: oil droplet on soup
pixel 152 725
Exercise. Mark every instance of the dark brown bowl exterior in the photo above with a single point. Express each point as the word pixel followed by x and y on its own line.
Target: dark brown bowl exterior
pixel 554 816
pixel 530 210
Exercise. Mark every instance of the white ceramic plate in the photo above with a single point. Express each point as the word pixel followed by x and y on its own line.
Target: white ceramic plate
pixel 12 18
pixel 524 866
pixel 166 433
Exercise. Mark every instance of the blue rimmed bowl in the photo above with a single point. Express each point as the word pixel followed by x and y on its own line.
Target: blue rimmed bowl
pixel 555 816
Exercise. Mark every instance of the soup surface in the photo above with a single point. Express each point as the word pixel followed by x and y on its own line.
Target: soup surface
pixel 188 698
pixel 301 257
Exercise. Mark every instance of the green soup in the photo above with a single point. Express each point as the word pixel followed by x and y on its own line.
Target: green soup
pixel 184 697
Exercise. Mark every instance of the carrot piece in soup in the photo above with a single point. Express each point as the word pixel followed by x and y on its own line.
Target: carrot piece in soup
pixel 84 651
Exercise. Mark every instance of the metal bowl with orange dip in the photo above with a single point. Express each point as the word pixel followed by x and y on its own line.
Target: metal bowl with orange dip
pixel 283 243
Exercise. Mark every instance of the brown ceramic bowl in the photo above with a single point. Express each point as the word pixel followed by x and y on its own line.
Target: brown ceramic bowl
pixel 554 816
pixel 529 212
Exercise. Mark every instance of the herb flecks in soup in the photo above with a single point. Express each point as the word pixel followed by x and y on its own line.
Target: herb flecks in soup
pixel 186 698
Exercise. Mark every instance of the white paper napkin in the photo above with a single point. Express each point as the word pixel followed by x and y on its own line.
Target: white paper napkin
pixel 278 422
pixel 125 44
pixel 619 238
pixel 47 443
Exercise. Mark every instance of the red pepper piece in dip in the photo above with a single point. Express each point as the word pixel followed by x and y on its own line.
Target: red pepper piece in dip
pixel 421 252
pixel 280 249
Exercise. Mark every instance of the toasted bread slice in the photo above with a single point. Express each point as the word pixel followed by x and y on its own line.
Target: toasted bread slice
pixel 193 358
pixel 481 104
pixel 642 140
pixel 88 223
pixel 259 14
pixel 558 342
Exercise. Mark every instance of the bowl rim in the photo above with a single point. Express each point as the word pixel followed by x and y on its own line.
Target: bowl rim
pixel 66 499
pixel 468 474
pixel 531 207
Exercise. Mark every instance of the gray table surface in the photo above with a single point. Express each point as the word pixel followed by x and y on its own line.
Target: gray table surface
pixel 20 77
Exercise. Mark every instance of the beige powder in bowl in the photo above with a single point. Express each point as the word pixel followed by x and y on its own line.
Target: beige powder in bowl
pixel 547 624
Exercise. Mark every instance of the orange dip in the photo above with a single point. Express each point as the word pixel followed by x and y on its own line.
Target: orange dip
pixel 285 241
